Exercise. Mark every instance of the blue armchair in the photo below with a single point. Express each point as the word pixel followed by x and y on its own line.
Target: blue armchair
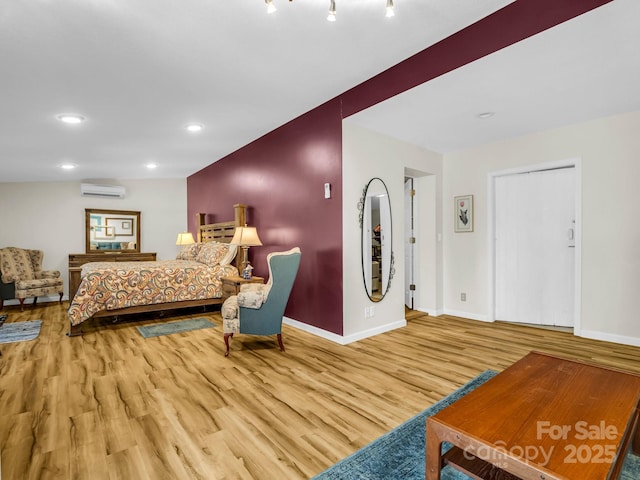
pixel 258 309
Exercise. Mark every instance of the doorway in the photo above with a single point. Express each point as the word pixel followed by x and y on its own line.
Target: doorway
pixel 409 238
pixel 536 240
pixel 422 245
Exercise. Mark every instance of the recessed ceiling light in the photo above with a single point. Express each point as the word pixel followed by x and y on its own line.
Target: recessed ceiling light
pixel 194 127
pixel 151 165
pixel 486 115
pixel 67 166
pixel 71 118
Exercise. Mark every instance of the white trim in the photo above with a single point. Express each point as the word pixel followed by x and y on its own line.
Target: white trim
pixel 577 289
pixel 429 311
pixel 467 315
pixel 491 243
pixel 340 339
pixel 610 337
pixel 491 254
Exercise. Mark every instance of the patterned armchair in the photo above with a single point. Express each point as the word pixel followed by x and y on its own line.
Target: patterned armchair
pixel 258 309
pixel 22 276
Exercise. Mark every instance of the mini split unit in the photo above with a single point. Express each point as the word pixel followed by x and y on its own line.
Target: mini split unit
pixel 92 190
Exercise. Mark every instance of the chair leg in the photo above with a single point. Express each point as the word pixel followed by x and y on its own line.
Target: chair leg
pixel 226 342
pixel 21 304
pixel 35 299
pixel 60 297
pixel 280 342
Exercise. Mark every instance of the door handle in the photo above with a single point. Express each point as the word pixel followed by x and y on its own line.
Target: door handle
pixel 571 238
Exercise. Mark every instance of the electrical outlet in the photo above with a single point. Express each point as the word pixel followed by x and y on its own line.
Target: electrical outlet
pixel 463 297
pixel 366 312
pixel 372 311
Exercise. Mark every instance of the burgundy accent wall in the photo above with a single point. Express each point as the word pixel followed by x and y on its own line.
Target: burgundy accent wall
pixel 281 175
pixel 281 178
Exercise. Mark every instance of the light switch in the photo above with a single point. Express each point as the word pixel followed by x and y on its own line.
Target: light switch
pixel 327 190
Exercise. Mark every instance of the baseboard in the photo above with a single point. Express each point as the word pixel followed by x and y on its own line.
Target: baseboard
pixel 313 330
pixel 341 339
pixel 609 337
pixel 470 316
pixel 430 311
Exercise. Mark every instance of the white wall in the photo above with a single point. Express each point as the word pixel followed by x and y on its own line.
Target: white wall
pixel 610 153
pixel 365 155
pixel 50 216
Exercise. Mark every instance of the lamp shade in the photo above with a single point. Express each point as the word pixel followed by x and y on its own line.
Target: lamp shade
pixel 246 236
pixel 185 238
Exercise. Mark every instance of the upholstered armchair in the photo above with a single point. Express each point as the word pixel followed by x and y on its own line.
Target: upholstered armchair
pixel 22 276
pixel 258 309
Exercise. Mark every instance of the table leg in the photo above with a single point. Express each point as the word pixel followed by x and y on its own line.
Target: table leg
pixel 635 440
pixel 433 452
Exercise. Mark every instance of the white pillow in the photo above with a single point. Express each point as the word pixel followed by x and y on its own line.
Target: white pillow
pixel 231 254
pixel 211 253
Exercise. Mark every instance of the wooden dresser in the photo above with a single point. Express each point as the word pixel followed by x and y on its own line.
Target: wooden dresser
pixel 76 260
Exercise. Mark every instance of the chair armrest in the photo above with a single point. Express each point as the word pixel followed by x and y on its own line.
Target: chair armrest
pixel 48 274
pixel 252 287
pixel 251 298
pixel 229 309
pixel 262 288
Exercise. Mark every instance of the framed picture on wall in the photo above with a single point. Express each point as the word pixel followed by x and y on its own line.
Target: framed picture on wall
pixel 463 213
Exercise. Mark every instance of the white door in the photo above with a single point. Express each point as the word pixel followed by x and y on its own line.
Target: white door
pixel 409 243
pixel 535 254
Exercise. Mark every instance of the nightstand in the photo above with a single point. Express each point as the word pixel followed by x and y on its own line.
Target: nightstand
pixel 231 285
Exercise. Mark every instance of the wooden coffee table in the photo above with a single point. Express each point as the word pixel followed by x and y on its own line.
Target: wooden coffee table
pixel 543 418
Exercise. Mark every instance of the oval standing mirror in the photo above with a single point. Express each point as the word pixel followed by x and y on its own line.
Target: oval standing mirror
pixel 377 254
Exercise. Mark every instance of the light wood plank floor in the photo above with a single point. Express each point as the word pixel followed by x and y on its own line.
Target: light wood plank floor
pixel 113 405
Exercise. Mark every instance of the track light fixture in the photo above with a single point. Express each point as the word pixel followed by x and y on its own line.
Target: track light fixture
pixel 332 11
pixel 390 12
pixel 271 8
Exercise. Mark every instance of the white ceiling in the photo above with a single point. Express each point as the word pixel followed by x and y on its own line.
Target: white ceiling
pixel 139 70
pixel 580 70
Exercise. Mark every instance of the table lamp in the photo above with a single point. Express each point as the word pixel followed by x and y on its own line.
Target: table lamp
pixel 246 237
pixel 185 238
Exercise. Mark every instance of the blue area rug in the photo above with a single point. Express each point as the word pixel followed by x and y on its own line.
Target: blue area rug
pixel 20 331
pixel 149 331
pixel 400 453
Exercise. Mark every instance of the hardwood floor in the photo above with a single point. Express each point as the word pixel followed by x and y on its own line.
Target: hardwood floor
pixel 113 405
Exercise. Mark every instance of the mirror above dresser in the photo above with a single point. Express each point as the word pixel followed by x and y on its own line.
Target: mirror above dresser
pixel 110 231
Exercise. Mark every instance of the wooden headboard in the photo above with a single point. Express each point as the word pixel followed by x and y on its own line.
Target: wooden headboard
pixel 223 231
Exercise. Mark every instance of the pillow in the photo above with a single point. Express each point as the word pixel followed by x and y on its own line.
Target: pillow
pixel 231 254
pixel 212 252
pixel 189 252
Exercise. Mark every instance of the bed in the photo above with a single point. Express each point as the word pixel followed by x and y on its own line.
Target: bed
pixel 192 279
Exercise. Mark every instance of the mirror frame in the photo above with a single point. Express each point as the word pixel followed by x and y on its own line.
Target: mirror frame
pixel 127 213
pixel 361 208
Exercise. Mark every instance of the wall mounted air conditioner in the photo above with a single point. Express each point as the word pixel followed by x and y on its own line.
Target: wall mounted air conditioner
pixel 93 190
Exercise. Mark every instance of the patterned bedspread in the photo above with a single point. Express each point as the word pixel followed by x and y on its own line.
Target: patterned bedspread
pixel 108 285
